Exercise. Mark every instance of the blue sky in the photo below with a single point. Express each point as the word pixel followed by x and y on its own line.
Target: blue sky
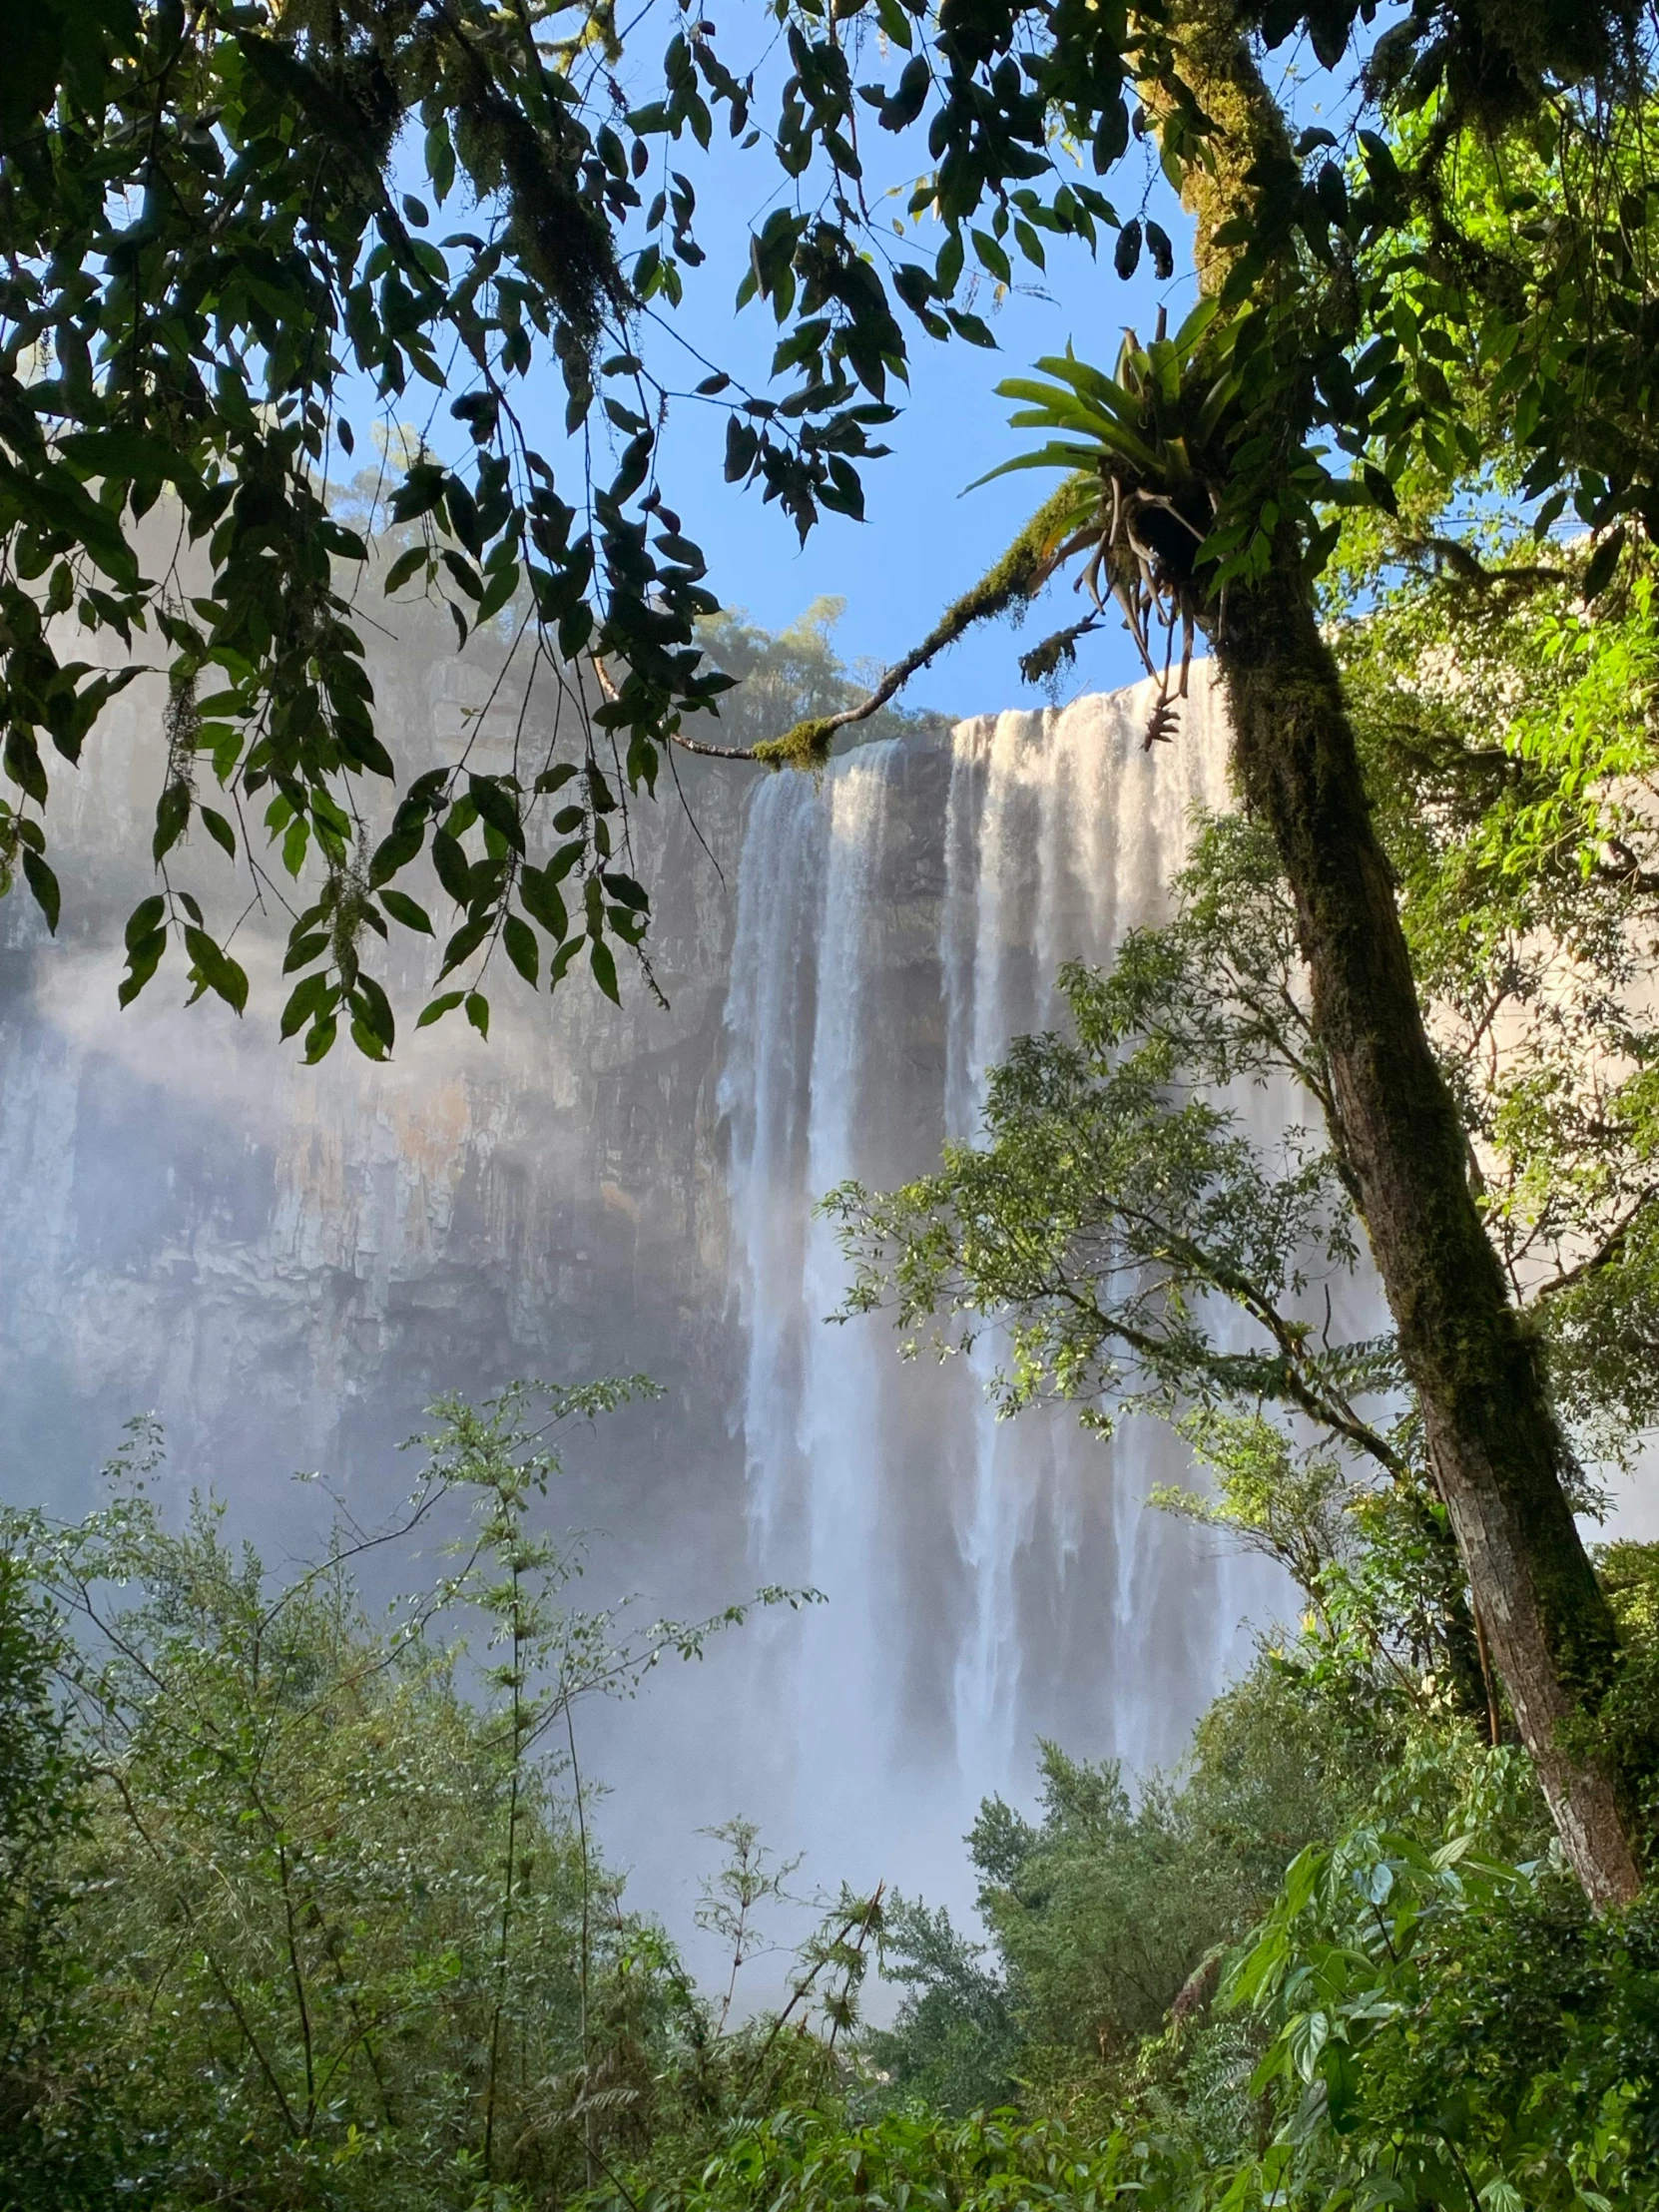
pixel 925 538
pixel 923 541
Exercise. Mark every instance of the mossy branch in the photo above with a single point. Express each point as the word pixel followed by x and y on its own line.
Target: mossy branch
pixel 1020 575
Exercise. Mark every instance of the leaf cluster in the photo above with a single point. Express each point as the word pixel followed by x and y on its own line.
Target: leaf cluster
pixel 1508 735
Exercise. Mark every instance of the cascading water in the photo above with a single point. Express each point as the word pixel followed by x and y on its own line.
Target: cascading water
pixel 990 1582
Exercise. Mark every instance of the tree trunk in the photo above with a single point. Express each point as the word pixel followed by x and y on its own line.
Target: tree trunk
pixel 1494 1446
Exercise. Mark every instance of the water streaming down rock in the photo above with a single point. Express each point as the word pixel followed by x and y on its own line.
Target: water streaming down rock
pixel 990 1582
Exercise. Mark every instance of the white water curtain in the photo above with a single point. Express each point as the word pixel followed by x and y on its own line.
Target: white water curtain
pixel 898 923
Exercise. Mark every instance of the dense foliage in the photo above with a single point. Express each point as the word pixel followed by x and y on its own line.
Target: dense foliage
pixel 301 1909
pixel 1511 734
pixel 1511 739
pixel 300 1905
pixel 223 236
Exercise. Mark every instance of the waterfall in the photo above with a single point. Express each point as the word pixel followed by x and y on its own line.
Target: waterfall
pixel 287 1264
pixel 898 923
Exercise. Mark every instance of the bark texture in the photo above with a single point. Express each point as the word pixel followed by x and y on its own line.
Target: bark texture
pixel 1494 1445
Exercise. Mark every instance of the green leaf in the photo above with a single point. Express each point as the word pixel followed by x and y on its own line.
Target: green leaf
pixel 498 806
pixel 436 1008
pixel 397 851
pixel 145 920
pixel 304 947
pixel 451 865
pixel 1548 514
pixel 1077 458
pixel 602 962
pixel 122 452
pixel 403 909
pixel 171 815
pixel 465 575
pixel 520 942
pixel 1499 2195
pixel 1381 490
pixel 1603 561
pixel 406 565
pixel 478 1012
pixel 312 997
pixel 215 968
pixel 905 101
pixel 142 958
pixel 992 257
pixel 372 1009
pixel 1302 1877
pixel 1307 2036
pixel 466 941
pixel 969 326
pixel 626 891
pixel 23 766
pixel 419 492
pixel 498 591
pixel 56 500
pixel 44 884
pixel 541 902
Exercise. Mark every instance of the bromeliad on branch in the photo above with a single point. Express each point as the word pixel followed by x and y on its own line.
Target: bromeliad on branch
pixel 1145 455
pixel 1145 500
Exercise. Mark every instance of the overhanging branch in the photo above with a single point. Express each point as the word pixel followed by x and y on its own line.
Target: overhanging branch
pixel 1020 575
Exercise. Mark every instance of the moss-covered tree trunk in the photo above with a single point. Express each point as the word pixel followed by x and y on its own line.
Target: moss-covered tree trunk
pixel 1494 1445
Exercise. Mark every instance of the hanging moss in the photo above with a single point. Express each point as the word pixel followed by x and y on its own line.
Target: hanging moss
pixel 1021 573
pixel 806 746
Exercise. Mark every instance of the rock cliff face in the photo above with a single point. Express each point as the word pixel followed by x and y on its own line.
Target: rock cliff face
pixel 287 1264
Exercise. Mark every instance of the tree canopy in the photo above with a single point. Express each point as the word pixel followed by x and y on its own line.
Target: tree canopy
pixel 213 263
